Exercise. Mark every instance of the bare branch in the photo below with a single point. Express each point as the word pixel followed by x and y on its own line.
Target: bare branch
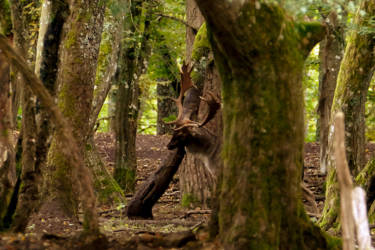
pixel 176 19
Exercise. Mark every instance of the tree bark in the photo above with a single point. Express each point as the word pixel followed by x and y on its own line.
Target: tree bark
pixel 5 18
pixel 263 124
pixel 132 62
pixel 7 159
pixel 28 195
pixel 166 107
pixel 331 53
pixel 107 63
pixel 64 135
pixel 75 78
pixel 350 96
pixel 196 181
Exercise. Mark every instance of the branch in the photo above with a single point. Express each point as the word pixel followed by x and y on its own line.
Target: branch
pixel 176 19
pixel 311 33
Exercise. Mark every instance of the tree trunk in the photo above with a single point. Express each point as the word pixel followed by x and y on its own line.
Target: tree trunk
pixel 166 107
pixel 107 190
pixel 132 62
pixel 64 135
pixel 331 53
pixel 195 180
pixel 263 124
pixel 29 192
pixel 195 20
pixel 107 62
pixel 75 79
pixel 5 18
pixel 350 96
pixel 7 161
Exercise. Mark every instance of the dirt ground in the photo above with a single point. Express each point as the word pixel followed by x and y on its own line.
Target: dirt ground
pixel 172 223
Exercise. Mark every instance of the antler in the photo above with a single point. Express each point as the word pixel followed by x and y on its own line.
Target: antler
pixel 183 117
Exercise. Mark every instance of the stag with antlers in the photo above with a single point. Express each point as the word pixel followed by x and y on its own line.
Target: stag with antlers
pixel 188 134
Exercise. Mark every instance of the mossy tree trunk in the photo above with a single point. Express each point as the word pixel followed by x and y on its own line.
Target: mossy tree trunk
pixel 107 189
pixel 75 78
pixel 7 154
pixel 25 15
pixel 5 18
pixel 132 62
pixel 350 96
pixel 168 88
pixel 260 54
pixel 331 53
pixel 7 161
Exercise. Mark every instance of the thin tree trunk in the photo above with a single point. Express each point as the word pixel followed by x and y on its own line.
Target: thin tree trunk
pixel 7 159
pixel 107 63
pixel 132 63
pixel 29 192
pixel 195 180
pixel 331 53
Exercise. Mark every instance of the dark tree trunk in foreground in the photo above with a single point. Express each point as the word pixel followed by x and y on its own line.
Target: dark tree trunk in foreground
pixel 331 53
pixel 263 124
pixel 355 74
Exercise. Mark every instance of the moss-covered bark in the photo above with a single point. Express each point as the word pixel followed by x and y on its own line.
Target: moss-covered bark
pixel 76 76
pixel 350 96
pixel 260 54
pixel 5 18
pixel 107 190
pixel 197 178
pixel 7 154
pixel 132 62
pixel 25 15
pixel 331 52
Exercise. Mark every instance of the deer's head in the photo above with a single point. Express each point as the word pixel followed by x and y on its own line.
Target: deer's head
pixel 188 133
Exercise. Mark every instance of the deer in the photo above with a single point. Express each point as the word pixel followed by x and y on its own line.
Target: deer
pixel 197 139
pixel 191 135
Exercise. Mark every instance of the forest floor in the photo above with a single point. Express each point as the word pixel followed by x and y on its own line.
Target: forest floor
pixel 172 223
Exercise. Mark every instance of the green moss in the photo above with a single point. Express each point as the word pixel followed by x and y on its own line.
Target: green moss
pixel 201 46
pixel 125 178
pixel 188 199
pixel 71 39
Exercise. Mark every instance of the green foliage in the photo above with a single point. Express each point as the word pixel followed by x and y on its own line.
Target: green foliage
pixel 311 87
pixel 147 122
pixel 188 199
pixel 370 112
pixel 169 118
pixel 169 42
